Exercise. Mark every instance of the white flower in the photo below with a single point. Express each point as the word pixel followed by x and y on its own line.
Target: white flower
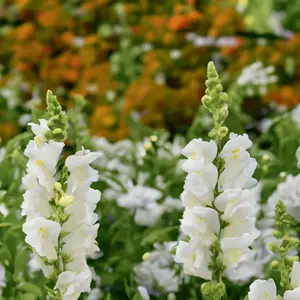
pixel 199 153
pixel 143 292
pixel 238 174
pixel 175 54
pixel 194 257
pixel 236 146
pixel 3 210
pixel 37 263
pixel 288 192
pixel 190 200
pixel 149 214
pixel 40 131
pixel 201 223
pixel 2 278
pixel 139 196
pixel 42 236
pixel 240 232
pixel 295 115
pixel 36 199
pixel 298 156
pixel 202 182
pixel 171 204
pixel 81 241
pixel 80 169
pixel 262 289
pixel 292 295
pixel 71 284
pixel 295 283
pixel 42 162
pixel 95 294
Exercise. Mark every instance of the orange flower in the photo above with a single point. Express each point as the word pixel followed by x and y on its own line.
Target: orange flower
pixel 194 16
pixel 21 4
pixel 24 31
pixel 7 130
pixel 67 37
pixel 48 18
pixel 177 23
pixel 71 75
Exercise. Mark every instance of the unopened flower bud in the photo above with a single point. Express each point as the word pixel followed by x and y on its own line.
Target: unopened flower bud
pixel 223 98
pixel 222 131
pixel 274 264
pixel 206 100
pixel 66 200
pixel 277 234
pixel 57 186
pixel 146 256
pixel 223 113
pixel 274 247
pixel 153 138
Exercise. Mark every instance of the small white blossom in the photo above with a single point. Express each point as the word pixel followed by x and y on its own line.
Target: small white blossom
pixel 143 292
pixel 42 236
pixel 201 223
pixel 295 283
pixel 195 258
pixel 262 289
pixel 295 115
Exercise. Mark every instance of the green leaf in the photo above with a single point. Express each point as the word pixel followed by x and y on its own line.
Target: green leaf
pixel 30 288
pixel 5 254
pixel 159 235
pixel 137 296
pixel 21 261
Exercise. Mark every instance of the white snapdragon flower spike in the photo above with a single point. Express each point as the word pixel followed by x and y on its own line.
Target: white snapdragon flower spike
pixel 42 236
pixel 295 283
pixel 262 289
pixel 60 247
pixel 204 213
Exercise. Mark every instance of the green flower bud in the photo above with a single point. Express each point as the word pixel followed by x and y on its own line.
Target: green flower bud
pixel 213 291
pixel 274 264
pixel 206 100
pixel 277 234
pixel 274 247
pixel 291 259
pixel 222 132
pixel 223 113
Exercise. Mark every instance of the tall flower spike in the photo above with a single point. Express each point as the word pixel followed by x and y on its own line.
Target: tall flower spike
pixel 219 218
pixel 216 102
pixel 61 225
